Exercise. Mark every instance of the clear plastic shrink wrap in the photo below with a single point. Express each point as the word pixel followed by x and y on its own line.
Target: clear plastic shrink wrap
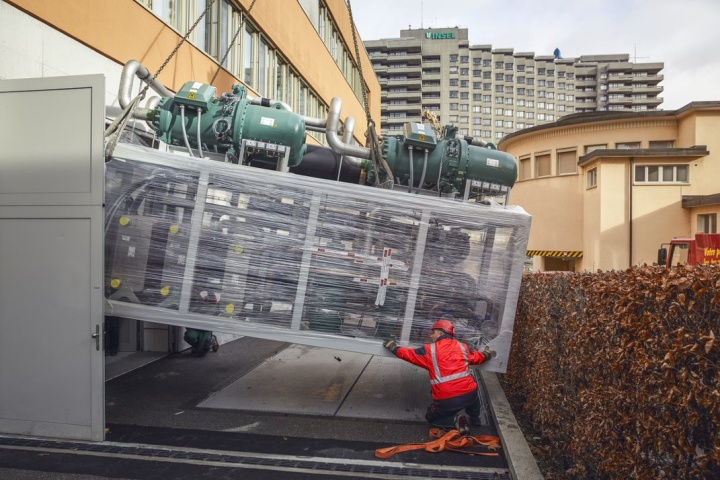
pixel 222 247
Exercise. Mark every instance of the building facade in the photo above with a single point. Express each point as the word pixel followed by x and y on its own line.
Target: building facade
pixel 606 189
pixel 488 93
pixel 302 56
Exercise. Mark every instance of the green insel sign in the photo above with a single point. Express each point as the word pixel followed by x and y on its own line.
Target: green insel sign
pixel 439 36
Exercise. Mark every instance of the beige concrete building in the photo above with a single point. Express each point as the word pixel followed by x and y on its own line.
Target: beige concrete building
pixel 605 189
pixel 490 92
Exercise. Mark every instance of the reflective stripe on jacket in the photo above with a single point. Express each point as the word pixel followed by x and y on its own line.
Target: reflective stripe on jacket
pixel 447 363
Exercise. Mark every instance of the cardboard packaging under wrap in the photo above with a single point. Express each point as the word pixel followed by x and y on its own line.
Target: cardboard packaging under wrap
pixel 216 246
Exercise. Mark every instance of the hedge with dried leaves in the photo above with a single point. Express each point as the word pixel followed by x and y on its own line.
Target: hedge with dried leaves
pixel 620 370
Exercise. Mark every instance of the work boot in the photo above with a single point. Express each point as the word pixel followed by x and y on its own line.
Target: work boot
pixel 462 423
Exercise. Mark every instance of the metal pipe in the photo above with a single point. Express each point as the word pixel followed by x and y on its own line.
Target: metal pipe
pixel 331 133
pixel 478 142
pixel 422 177
pixel 411 180
pixel 347 137
pixel 132 69
pixel 182 124
pixel 267 102
pixel 199 141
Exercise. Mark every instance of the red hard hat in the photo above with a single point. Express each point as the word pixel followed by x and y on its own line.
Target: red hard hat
pixel 444 325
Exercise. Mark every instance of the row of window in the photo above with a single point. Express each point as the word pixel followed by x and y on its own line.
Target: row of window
pixel 251 57
pixel 650 174
pixel 566 164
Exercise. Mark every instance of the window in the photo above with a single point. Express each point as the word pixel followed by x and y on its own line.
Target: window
pixel 454 82
pixel 524 168
pixel 566 162
pixel 542 165
pixel 591 148
pixel 453 106
pixel 661 144
pixel 707 223
pixel 627 145
pixel 661 174
pixel 592 178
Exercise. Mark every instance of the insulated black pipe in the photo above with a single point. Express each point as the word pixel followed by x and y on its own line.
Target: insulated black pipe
pixel 322 162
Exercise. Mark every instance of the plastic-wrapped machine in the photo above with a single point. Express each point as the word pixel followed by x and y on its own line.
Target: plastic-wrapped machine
pixel 222 247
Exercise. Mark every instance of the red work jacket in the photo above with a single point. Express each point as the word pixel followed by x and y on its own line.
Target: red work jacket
pixel 447 362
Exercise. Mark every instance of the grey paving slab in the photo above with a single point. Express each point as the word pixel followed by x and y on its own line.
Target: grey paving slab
pixel 389 389
pixel 299 379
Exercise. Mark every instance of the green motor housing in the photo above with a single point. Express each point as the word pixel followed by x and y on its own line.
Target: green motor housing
pixel 450 163
pixel 231 124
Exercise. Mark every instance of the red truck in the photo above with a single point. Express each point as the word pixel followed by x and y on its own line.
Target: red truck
pixel 704 248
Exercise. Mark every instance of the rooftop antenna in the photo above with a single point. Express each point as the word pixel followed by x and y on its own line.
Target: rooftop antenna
pixel 421 15
pixel 635 57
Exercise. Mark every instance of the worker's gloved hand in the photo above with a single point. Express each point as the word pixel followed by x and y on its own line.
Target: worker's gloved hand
pixel 390 344
pixel 489 354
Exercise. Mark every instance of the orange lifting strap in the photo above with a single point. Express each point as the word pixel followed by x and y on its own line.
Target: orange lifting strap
pixel 452 440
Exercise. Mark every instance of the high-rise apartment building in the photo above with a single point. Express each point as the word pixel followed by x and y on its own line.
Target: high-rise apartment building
pixel 489 93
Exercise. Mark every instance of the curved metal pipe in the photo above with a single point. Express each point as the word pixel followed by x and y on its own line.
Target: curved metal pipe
pixel 331 132
pixel 132 69
pixel 347 137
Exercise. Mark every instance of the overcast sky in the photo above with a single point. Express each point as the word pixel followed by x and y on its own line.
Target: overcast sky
pixel 683 34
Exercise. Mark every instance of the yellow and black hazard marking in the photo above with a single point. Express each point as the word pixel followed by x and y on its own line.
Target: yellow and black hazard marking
pixel 554 253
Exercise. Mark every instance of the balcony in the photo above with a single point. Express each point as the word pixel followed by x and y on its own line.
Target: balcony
pixel 412 95
pixel 410 58
pixel 651 90
pixel 620 88
pixel 408 82
pixel 403 70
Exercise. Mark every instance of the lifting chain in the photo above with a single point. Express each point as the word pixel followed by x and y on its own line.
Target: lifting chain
pixel 232 42
pixel 372 137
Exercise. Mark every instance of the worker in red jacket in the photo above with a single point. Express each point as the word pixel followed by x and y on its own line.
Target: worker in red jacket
pixel 453 387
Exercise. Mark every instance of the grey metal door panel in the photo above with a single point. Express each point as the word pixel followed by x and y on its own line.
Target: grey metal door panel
pixel 51 257
pixel 52 138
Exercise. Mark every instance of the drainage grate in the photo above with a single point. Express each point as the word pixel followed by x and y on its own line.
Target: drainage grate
pixel 362 468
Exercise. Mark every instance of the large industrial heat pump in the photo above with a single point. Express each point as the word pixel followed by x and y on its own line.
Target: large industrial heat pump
pixel 286 251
